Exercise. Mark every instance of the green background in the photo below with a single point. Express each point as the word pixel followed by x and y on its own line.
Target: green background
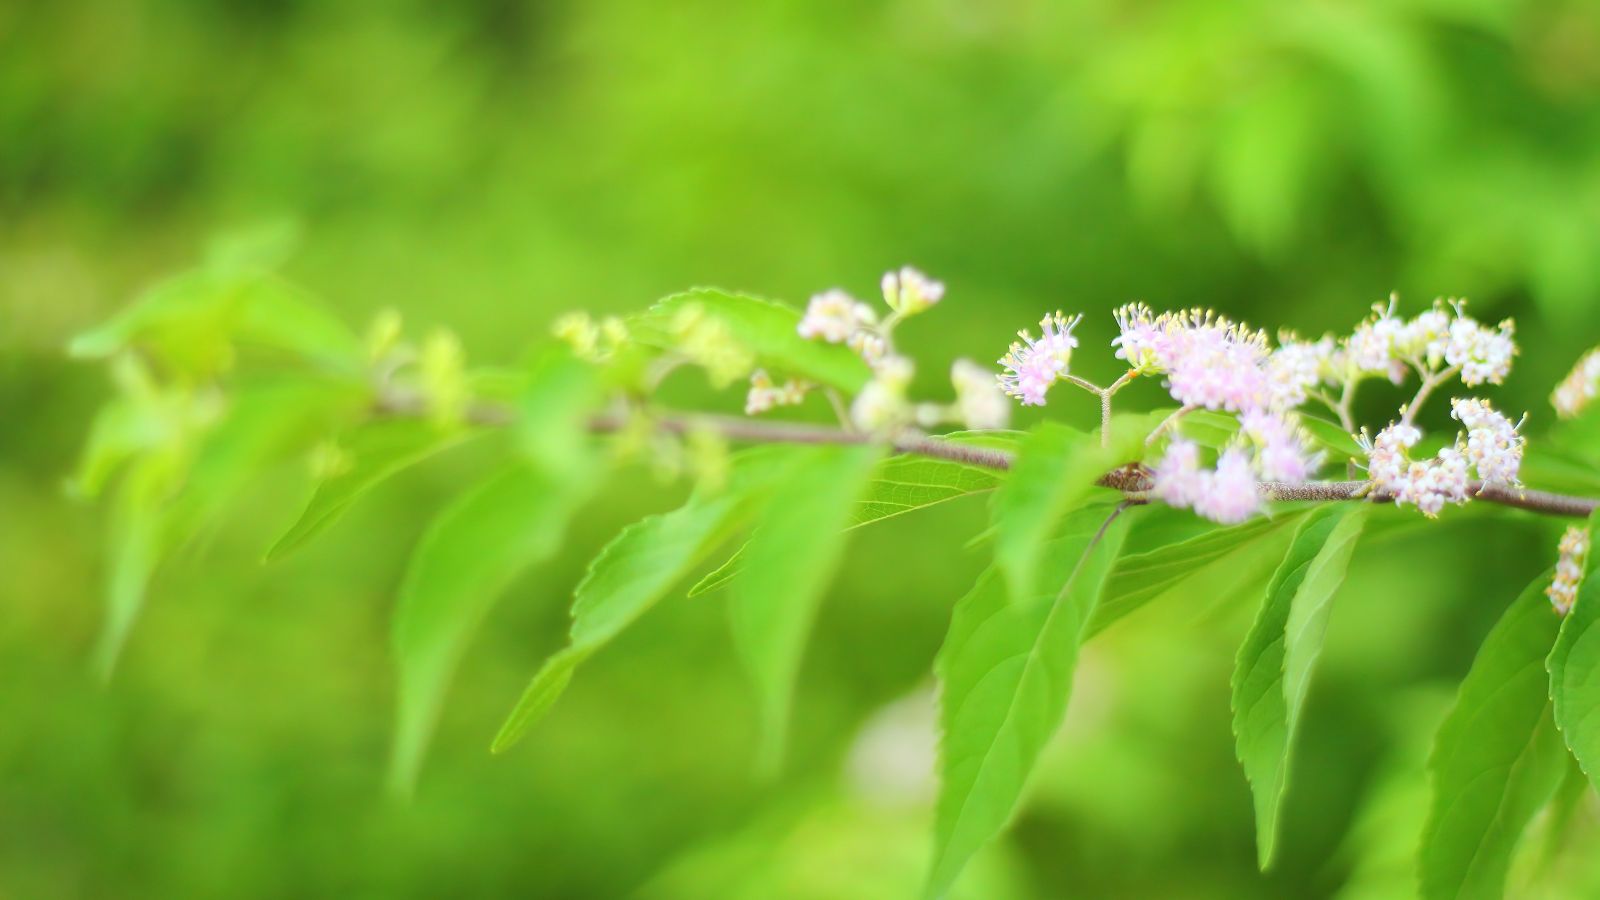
pixel 488 165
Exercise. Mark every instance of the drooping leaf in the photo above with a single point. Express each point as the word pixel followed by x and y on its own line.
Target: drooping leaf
pixel 765 327
pixel 637 569
pixel 788 563
pixel 465 560
pixel 1273 671
pixel 1497 758
pixel 1005 673
pixel 373 452
pixel 1248 550
pixel 138 527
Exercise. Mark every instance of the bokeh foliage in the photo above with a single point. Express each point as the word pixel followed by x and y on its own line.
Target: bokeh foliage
pixel 487 166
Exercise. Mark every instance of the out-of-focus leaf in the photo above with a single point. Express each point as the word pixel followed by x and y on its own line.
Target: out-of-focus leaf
pixel 899 485
pixel 1332 437
pixel 1273 672
pixel 636 570
pixel 1497 758
pixel 788 563
pixel 1006 673
pixel 373 452
pixel 467 558
pixel 193 320
pixel 138 527
pixel 765 327
pixel 1140 578
pixel 561 395
pixel 1054 472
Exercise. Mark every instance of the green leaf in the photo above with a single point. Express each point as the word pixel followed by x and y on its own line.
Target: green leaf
pixel 899 485
pixel 561 395
pixel 466 559
pixel 1250 551
pixel 788 563
pixel 1332 437
pixel 1005 673
pixel 1054 473
pixel 765 327
pixel 138 525
pixel 1574 667
pixel 1273 672
pixel 373 452
pixel 636 570
pixel 1497 758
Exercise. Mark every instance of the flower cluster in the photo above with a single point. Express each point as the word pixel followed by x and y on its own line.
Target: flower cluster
pixel 1563 589
pixel 1428 484
pixel 1492 444
pixel 766 394
pixel 1387 344
pixel 1228 494
pixel 1491 448
pixel 1032 366
pixel 1209 360
pixel 1579 387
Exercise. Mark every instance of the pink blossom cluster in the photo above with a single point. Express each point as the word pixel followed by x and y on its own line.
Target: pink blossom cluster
pixel 1228 493
pixel 1032 366
pixel 1574 550
pixel 1579 387
pixel 1209 361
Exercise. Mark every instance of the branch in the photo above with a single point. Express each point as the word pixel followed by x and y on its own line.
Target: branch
pixel 1133 479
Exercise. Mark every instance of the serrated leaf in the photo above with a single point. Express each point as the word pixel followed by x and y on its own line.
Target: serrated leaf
pixel 1574 667
pixel 636 570
pixel 1497 758
pixel 1054 472
pixel 1273 671
pixel 374 452
pixel 1005 675
pixel 788 563
pixel 766 327
pixel 465 560
pixel 1140 578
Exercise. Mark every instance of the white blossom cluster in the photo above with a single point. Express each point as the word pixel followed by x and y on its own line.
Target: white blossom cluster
pixel 1491 448
pixel 1578 389
pixel 838 318
pixel 766 394
pixel 1574 549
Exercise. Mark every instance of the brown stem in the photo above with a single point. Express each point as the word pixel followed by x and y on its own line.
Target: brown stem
pixel 1133 479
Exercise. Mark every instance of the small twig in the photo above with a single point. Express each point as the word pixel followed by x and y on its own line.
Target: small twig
pixel 1133 480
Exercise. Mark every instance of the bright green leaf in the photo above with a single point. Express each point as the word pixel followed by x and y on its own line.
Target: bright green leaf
pixel 1054 472
pixel 636 570
pixel 1273 672
pixel 765 327
pixel 138 525
pixel 1574 667
pixel 467 558
pixel 1140 578
pixel 1497 758
pixel 373 452
pixel 1006 674
pixel 788 563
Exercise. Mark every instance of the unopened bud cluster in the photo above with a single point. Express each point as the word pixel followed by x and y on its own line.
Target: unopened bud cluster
pixel 1578 389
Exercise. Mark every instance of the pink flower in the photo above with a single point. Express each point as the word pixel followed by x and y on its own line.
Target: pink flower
pixel 1033 366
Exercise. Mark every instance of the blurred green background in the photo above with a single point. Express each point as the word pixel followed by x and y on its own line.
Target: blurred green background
pixel 489 164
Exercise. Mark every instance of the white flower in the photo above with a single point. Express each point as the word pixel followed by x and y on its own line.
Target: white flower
pixel 764 394
pixel 870 346
pixel 833 316
pixel 1483 353
pixel 1295 368
pixel 1493 445
pixel 909 292
pixel 882 404
pixel 981 403
pixel 1574 549
pixel 1427 484
pixel 1579 387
